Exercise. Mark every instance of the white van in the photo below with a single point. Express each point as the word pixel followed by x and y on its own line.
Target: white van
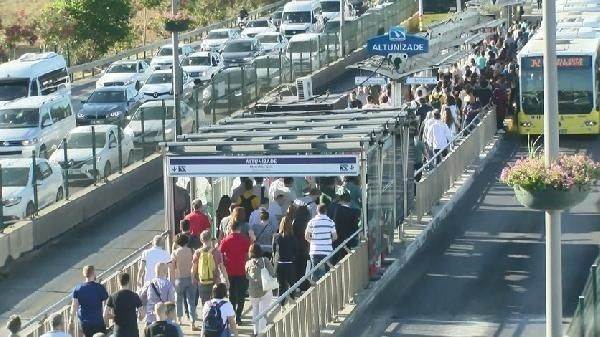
pixel 331 9
pixel 301 17
pixel 36 123
pixel 33 75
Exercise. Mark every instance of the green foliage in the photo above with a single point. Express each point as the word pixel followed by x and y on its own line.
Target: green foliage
pixel 151 4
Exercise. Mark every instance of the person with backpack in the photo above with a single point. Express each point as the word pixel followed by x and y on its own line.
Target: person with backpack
pixel 161 327
pixel 219 316
pixel 207 268
pixel 248 200
pixel 158 290
pixel 262 233
pixel 260 298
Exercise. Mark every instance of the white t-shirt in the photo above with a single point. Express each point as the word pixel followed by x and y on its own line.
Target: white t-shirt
pixel 226 309
pixel 154 256
pixel 56 334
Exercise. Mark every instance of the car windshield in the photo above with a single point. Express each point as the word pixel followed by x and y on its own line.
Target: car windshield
pixel 15 176
pixel 83 140
pixel 197 61
pixel 13 89
pixel 123 68
pixel 258 23
pixel 218 35
pixel 168 51
pixel 160 78
pixel 153 113
pixel 268 38
pixel 302 46
pixel 19 118
pixel 237 47
pixel 330 6
pixel 296 17
pixel 107 97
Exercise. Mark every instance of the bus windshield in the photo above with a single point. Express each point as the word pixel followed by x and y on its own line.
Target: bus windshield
pixel 13 89
pixel 296 17
pixel 575 90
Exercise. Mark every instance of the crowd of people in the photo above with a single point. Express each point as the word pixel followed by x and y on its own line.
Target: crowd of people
pixel 267 232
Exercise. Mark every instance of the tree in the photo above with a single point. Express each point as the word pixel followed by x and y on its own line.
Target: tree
pixel 22 31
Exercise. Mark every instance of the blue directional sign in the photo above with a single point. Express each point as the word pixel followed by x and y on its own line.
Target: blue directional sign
pixel 397 42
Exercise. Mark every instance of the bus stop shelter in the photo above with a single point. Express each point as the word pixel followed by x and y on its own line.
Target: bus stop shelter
pixel 370 144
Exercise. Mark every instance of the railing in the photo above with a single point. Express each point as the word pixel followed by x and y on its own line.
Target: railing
pixel 586 321
pixel 463 151
pixel 40 324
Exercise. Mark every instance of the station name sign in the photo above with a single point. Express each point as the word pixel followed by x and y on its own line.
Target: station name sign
pixel 241 166
pixel 397 41
pixel 561 62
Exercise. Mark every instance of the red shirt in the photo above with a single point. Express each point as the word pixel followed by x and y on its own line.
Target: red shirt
pixel 199 222
pixel 235 248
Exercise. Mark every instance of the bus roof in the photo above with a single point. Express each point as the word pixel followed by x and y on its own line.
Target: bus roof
pixel 563 47
pixel 32 65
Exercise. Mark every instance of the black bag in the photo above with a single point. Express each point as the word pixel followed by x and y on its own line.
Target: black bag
pixel 213 321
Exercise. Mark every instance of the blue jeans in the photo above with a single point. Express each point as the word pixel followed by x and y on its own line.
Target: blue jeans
pixel 317 274
pixel 185 289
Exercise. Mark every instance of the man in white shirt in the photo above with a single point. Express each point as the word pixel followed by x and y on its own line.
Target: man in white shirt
pixel 320 233
pixel 439 135
pixel 58 327
pixel 151 257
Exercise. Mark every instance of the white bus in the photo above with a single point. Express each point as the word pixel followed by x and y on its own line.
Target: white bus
pixel 33 75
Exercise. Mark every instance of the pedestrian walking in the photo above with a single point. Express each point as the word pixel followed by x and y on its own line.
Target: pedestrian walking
pixel 58 327
pixel 440 136
pixel 124 307
pixel 151 257
pixel 208 268
pixel 14 325
pixel 248 200
pixel 193 240
pixel 235 252
pixel 320 233
pixel 172 317
pixel 87 304
pixel 199 221
pixel 285 252
pixel 160 327
pixel 260 298
pixel 157 290
pixel 219 315
pixel 299 225
pixel 346 220
pixel 185 291
pixel 262 233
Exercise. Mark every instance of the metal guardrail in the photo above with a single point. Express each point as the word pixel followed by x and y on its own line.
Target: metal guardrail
pixel 586 322
pixel 463 151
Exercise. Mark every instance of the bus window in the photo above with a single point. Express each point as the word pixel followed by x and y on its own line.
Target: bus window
pixel 11 89
pixel 51 82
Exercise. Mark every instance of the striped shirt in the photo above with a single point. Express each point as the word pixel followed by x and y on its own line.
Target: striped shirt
pixel 320 228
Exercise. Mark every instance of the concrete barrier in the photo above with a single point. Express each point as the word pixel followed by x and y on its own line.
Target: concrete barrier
pixel 90 202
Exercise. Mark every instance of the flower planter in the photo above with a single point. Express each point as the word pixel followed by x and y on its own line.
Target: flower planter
pixel 550 199
pixel 177 25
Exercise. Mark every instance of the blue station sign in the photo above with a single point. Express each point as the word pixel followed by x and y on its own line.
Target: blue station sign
pixel 397 41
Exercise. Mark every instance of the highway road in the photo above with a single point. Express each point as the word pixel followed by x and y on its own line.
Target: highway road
pixel 484 275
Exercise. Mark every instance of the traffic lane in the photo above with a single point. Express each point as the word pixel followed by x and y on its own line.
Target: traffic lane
pixel 484 273
pixel 47 275
pixel 81 90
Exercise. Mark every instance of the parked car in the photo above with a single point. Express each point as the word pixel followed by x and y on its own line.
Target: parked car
pixel 241 51
pixel 124 73
pixel 164 57
pixel 202 65
pixel 272 42
pixel 17 186
pixel 108 105
pixel 257 26
pixel 80 160
pixel 153 113
pixel 36 123
pixel 271 70
pixel 217 38
pixel 160 86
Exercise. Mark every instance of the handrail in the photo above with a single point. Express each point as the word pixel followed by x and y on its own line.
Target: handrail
pixel 306 277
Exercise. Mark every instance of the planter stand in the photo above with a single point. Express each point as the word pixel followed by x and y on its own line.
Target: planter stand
pixel 177 25
pixel 550 199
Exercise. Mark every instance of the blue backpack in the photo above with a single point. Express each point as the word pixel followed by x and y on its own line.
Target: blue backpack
pixel 213 321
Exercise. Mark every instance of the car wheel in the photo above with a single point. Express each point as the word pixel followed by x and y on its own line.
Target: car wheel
pixel 130 158
pixel 59 194
pixel 107 169
pixel 30 209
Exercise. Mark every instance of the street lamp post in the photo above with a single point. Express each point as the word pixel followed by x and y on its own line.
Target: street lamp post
pixel 551 135
pixel 177 74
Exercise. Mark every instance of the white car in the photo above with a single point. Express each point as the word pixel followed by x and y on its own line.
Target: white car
pixel 216 38
pixel 124 73
pixel 17 186
pixel 164 57
pixel 272 42
pixel 160 85
pixel 257 26
pixel 80 161
pixel 153 113
pixel 202 65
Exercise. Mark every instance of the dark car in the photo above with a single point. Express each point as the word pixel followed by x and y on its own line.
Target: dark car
pixel 241 52
pixel 108 105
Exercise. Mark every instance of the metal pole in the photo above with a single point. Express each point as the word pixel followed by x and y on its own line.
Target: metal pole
pixel 34 184
pixel 405 149
pixel 94 166
pixel 66 168
pixel 120 148
pixel 163 121
pixel 342 19
pixel 143 140
pixel 169 200
pixel 582 315
pixel 363 188
pixel 553 220
pixel 594 272
pixel 459 6
pixel 197 110
pixel 177 74
pixel 1 201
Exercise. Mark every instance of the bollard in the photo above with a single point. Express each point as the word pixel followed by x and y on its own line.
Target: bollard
pixel 1 200
pixel 34 184
pixel 327 48
pixel 594 272
pixel 310 61
pixel 256 81
pixel 66 168
pixel 243 86
pixel 228 93
pixel 120 148
pixel 163 117
pixel 291 67
pixel 94 166
pixel 582 316
pixel 197 110
pixel 269 72
pixel 143 136
pixel 280 69
pixel 301 64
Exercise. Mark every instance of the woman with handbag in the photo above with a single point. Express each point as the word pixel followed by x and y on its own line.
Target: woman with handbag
pixel 262 281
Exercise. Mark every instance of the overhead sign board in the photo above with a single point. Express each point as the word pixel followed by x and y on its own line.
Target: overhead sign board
pixel 397 42
pixel 366 80
pixel 421 80
pixel 262 166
